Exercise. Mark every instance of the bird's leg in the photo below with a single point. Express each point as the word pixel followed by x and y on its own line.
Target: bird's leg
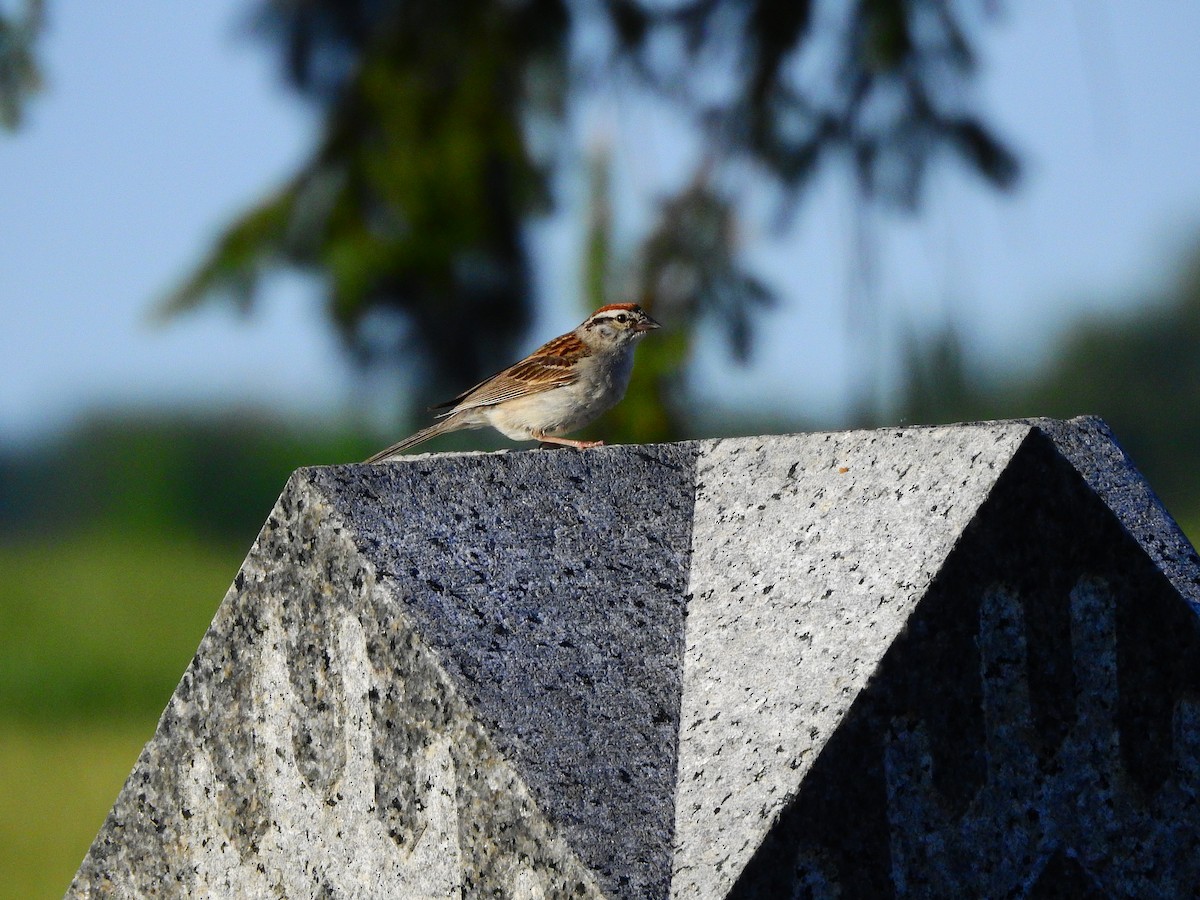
pixel 567 442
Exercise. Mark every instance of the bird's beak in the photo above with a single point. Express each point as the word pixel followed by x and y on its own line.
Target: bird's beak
pixel 647 324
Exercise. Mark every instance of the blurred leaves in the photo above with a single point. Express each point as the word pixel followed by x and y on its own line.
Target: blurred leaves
pixel 411 208
pixel 209 477
pixel 442 133
pixel 19 75
pixel 884 82
pixel 691 269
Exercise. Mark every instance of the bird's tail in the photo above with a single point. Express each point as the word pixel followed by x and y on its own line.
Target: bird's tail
pixel 413 439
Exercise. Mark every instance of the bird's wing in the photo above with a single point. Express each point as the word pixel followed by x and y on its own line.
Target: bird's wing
pixel 550 366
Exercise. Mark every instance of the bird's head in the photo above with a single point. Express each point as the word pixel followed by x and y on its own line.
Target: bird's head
pixel 616 325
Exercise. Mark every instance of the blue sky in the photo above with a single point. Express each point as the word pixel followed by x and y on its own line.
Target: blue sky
pixel 162 121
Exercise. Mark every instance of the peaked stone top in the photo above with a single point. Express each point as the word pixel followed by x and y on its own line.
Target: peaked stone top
pixel 1091 448
pixel 767 666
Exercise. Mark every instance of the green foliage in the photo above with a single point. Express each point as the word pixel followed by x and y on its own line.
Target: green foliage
pixel 650 411
pixel 235 266
pixel 690 268
pixel 411 206
pixel 214 478
pixel 1141 373
pixel 19 76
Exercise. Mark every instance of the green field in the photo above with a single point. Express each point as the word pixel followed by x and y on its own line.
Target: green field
pixel 59 782
pixel 95 631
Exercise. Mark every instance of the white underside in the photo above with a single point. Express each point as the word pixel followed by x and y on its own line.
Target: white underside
pixel 560 410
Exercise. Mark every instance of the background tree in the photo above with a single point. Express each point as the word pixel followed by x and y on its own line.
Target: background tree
pixel 19 76
pixel 444 127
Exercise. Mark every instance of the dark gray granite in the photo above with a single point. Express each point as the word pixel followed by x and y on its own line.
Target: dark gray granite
pixel 551 585
pixel 1094 451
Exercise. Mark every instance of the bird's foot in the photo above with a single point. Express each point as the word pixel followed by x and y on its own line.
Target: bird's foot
pixel 568 442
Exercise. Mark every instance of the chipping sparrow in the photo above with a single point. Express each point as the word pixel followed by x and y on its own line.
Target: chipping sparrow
pixel 560 387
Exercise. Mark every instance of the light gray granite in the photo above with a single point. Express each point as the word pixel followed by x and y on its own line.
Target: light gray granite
pixel 809 553
pixel 919 662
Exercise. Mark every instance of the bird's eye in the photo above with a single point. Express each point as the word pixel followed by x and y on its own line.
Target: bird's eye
pixel 622 318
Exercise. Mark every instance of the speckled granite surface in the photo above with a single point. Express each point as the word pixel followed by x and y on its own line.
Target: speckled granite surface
pixel 810 553
pixel 920 662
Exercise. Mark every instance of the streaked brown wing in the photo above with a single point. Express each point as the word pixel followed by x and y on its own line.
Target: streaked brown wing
pixel 548 367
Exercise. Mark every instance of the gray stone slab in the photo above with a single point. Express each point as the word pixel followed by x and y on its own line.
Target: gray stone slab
pixel 809 555
pixel 920 662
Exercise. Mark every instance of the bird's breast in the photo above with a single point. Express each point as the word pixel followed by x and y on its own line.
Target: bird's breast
pixel 599 387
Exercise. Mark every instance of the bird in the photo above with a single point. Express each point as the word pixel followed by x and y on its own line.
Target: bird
pixel 558 388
